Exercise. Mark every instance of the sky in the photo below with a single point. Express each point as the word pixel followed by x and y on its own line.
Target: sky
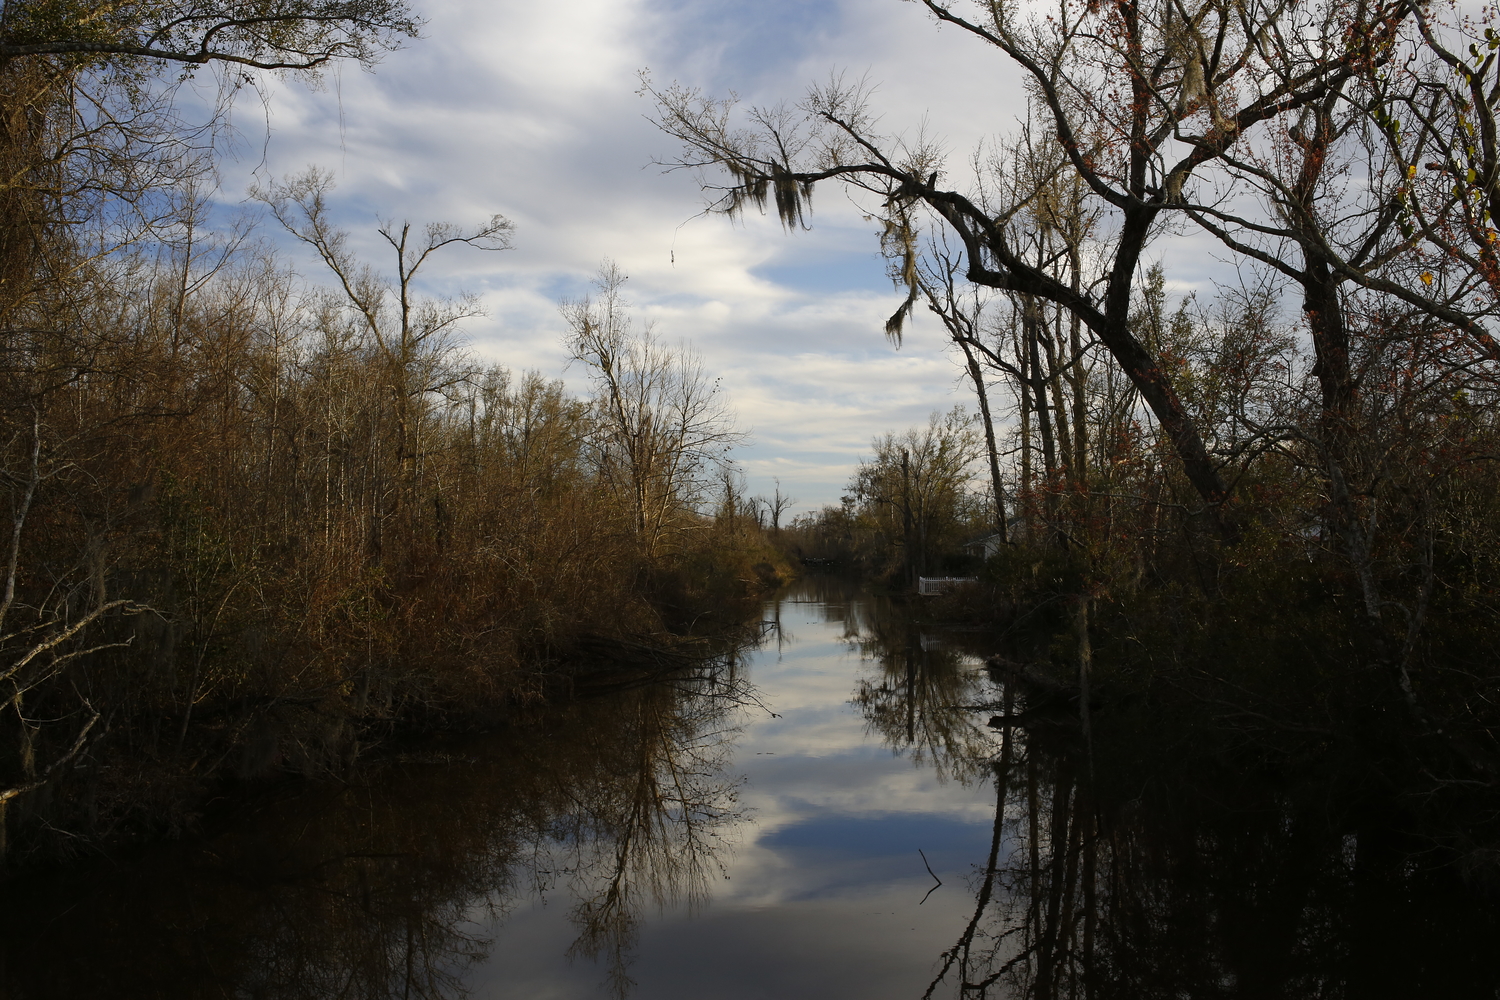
pixel 533 111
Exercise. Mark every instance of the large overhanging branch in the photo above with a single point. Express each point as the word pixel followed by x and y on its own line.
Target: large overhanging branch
pixel 286 35
pixel 203 56
pixel 78 744
pixel 984 241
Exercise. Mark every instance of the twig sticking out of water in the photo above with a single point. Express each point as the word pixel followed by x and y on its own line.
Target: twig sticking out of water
pixel 934 877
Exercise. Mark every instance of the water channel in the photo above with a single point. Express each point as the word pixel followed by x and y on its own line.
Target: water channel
pixel 856 807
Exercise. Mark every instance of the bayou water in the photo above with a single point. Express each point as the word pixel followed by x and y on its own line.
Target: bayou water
pixel 856 806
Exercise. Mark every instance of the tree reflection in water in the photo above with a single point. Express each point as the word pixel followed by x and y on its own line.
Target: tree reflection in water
pixel 384 887
pixel 647 832
pixel 1189 865
pixel 1176 859
pixel 924 696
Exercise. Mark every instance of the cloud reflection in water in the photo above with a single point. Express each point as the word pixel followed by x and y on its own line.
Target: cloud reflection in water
pixel 826 886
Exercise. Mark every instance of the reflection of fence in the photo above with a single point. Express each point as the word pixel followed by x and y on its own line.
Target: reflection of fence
pixel 931 586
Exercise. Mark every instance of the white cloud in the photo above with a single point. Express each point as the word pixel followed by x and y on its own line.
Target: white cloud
pixel 531 111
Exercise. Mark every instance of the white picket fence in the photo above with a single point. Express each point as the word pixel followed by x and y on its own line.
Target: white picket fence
pixel 931 586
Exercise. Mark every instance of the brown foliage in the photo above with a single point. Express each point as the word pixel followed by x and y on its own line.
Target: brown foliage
pixel 266 538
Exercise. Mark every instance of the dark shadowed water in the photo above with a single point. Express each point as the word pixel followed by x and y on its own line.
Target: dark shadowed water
pixel 857 808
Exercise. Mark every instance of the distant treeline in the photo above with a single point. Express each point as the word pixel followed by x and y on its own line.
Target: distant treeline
pixel 911 510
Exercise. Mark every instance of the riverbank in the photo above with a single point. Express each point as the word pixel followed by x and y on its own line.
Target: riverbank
pixel 150 773
pixel 1267 677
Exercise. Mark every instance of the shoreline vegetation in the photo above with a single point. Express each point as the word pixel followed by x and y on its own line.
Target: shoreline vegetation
pixel 258 530
pixel 259 525
pixel 1136 647
pixel 1126 627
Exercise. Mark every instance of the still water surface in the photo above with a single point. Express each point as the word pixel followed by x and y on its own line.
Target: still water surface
pixel 823 890
pixel 854 808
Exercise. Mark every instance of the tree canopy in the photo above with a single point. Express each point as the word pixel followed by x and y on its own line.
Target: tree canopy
pixel 1274 127
pixel 265 34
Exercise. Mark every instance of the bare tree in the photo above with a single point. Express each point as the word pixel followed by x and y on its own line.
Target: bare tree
pixel 665 427
pixel 776 505
pixel 411 335
pixel 913 489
